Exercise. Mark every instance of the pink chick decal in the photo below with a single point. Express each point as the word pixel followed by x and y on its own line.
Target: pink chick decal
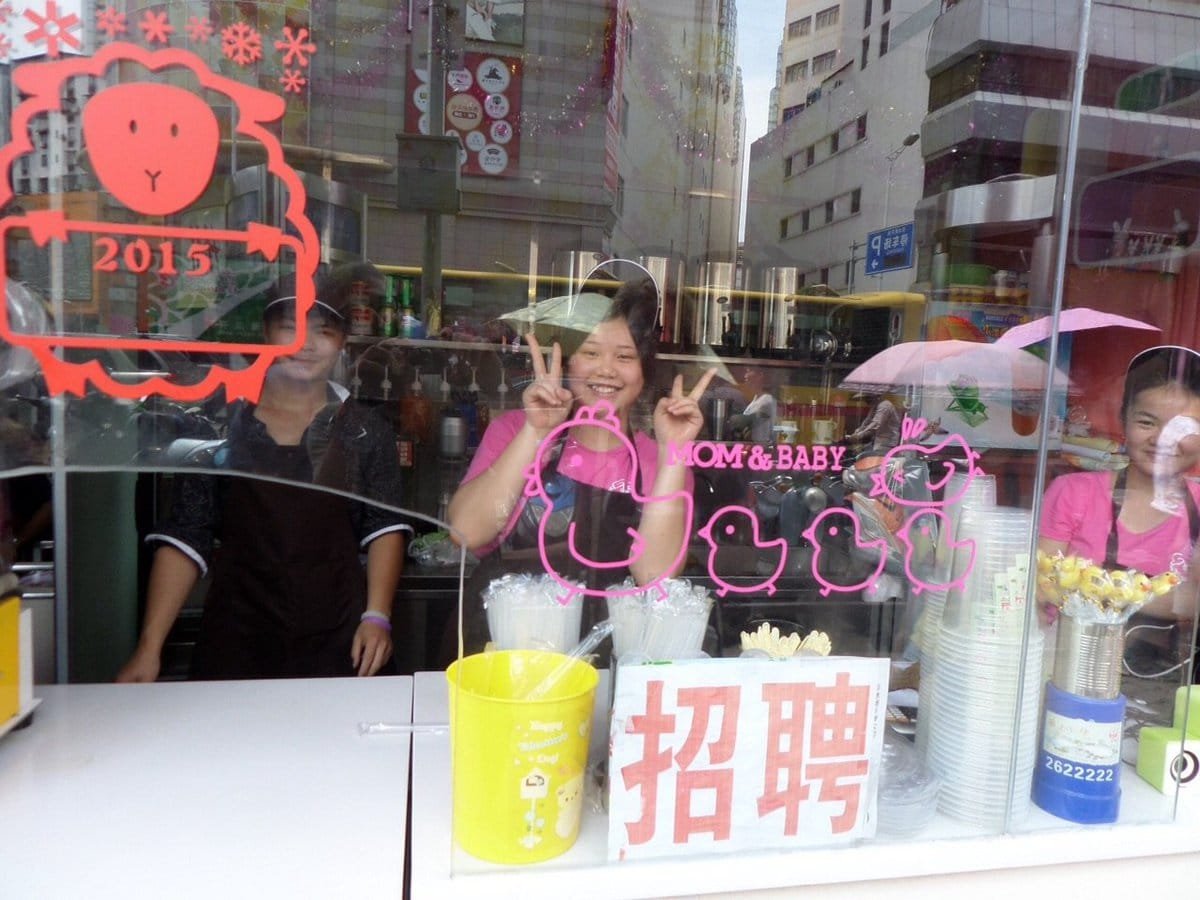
pixel 602 415
pixel 888 481
pixel 829 526
pixel 926 523
pixel 724 522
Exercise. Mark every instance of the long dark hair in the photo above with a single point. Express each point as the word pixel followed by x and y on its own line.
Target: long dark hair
pixel 637 303
pixel 1159 367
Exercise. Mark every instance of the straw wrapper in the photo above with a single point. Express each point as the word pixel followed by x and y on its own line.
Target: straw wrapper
pixel 672 627
pixel 532 612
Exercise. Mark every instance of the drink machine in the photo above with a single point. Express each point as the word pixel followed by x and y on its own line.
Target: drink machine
pixel 775 317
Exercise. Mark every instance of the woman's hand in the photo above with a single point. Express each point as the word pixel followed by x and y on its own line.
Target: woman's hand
pixel 371 648
pixel 142 668
pixel 677 417
pixel 1189 450
pixel 546 401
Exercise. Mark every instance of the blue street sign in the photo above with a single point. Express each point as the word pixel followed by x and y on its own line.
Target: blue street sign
pixel 889 249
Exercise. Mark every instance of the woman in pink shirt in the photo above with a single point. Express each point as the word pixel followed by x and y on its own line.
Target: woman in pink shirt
pixel 1145 516
pixel 589 473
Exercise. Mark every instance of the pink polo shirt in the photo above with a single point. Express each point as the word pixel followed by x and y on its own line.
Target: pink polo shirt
pixel 610 470
pixel 1077 509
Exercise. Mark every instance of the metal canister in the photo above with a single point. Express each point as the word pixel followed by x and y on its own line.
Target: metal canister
pixel 775 323
pixel 719 416
pixel 452 436
pixel 709 315
pixel 1088 658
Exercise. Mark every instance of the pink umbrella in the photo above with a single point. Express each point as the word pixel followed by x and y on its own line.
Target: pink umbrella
pixel 1079 318
pixel 941 364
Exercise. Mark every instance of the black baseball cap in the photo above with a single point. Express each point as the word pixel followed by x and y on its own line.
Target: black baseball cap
pixel 337 290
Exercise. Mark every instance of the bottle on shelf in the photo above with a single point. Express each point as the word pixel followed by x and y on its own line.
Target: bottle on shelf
pixel 410 325
pixel 361 315
pixel 433 313
pixel 389 316
pixel 839 416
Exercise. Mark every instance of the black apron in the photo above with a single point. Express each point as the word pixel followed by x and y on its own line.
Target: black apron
pixel 1118 500
pixel 601 518
pixel 288 586
pixel 1142 654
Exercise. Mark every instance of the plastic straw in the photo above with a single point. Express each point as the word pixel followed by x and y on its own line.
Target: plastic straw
pixel 366 728
pixel 599 632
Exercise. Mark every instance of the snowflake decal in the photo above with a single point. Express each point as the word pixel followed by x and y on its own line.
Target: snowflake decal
pixel 293 81
pixel 155 27
pixel 6 11
pixel 241 44
pixel 199 30
pixel 111 22
pixel 296 48
pixel 53 29
pixel 5 48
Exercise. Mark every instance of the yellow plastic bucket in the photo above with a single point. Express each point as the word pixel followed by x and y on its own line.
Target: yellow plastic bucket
pixel 519 763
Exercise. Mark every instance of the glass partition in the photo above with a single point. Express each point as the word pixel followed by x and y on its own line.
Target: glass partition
pixel 807 347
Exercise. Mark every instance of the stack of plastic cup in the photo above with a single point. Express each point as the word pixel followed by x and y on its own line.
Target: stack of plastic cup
pixel 987 688
pixel 977 492
pixel 987 698
pixel 989 602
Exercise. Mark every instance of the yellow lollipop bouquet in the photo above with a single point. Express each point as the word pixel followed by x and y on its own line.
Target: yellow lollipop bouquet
pixel 1088 592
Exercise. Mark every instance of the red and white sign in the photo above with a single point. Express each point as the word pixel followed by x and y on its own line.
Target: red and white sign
pixel 483 110
pixel 720 755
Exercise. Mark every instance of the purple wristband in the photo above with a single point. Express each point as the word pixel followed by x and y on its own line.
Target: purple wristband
pixel 377 618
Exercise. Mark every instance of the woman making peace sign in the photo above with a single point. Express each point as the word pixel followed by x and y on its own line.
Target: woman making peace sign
pixel 589 473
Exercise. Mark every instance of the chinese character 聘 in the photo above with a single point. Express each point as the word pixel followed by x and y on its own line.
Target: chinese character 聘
pixel 830 723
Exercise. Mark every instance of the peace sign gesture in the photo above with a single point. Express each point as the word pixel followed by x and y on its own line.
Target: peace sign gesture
pixel 677 417
pixel 545 400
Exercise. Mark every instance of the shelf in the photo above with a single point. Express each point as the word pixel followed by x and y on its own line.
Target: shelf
pixel 480 346
pixel 753 361
pixel 430 344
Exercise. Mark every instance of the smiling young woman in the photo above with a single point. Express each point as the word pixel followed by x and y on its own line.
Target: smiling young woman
pixel 1145 516
pixel 589 471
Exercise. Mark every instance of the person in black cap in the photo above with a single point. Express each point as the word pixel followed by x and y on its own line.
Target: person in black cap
pixel 289 596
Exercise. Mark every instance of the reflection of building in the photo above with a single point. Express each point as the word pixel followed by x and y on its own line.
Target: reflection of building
pixel 994 142
pixel 629 145
pixel 999 101
pixel 627 141
pixel 837 170
pixel 681 124
pixel 810 50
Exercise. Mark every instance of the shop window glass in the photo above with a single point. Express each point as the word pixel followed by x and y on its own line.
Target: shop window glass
pixel 150 347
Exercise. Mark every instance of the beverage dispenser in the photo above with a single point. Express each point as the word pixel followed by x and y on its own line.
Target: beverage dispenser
pixel 710 310
pixel 668 274
pixel 574 266
pixel 779 284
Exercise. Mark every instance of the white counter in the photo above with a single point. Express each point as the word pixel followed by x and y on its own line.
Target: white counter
pixel 209 789
pixel 948 859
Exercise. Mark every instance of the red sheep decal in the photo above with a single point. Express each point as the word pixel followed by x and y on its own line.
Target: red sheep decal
pixel 154 148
